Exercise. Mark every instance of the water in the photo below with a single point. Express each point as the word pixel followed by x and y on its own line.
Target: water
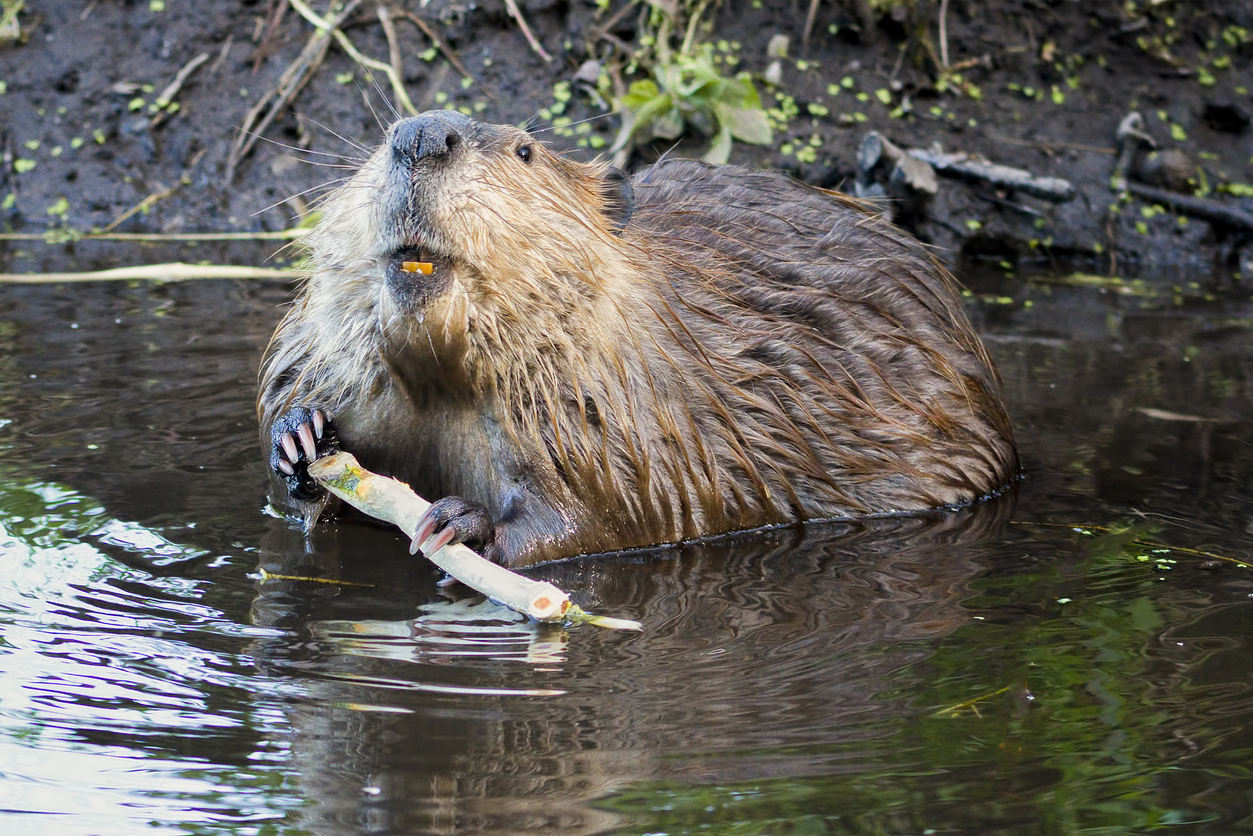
pixel 995 670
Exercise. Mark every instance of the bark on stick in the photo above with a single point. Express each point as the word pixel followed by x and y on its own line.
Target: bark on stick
pixel 392 501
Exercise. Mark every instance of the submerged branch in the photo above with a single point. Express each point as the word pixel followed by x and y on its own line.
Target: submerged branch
pixel 392 501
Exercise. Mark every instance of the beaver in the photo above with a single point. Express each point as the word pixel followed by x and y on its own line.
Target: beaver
pixel 573 361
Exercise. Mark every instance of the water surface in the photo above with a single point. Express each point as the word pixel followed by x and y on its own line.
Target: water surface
pixel 1034 665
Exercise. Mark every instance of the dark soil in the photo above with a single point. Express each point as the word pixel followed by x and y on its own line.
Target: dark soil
pixel 1043 86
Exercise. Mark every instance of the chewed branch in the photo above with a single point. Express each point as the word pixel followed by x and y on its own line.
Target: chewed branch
pixel 392 501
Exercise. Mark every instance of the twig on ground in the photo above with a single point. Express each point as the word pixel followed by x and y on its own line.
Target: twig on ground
pixel 273 21
pixel 984 60
pixel 142 206
pixel 944 34
pixel 393 502
pixel 1199 207
pixel 364 61
pixel 602 31
pixel 222 53
pixel 173 272
pixel 393 47
pixel 172 89
pixel 516 14
pixel 435 39
pixel 275 102
pixel 809 23
pixel 968 165
pixel 693 19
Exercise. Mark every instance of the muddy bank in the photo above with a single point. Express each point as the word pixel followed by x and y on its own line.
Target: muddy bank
pixel 87 136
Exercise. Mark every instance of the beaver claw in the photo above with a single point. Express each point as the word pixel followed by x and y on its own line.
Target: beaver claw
pixel 453 520
pixel 297 437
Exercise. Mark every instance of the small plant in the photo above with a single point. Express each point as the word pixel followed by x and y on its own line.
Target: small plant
pixel 688 92
pixel 10 27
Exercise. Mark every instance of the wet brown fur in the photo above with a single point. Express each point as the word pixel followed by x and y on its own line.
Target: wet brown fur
pixel 746 351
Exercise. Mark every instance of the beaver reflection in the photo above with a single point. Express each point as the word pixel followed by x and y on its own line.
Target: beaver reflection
pixel 572 362
pixel 756 661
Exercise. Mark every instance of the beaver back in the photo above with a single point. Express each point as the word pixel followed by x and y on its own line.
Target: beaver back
pixel 832 349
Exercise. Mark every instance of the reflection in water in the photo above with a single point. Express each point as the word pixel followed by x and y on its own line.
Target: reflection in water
pixel 112 683
pixel 754 663
pixel 452 633
pixel 985 671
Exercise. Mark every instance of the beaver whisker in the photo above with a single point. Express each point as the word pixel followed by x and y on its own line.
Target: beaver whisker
pixel 382 93
pixel 324 188
pixel 363 150
pixel 319 200
pixel 597 117
pixel 302 155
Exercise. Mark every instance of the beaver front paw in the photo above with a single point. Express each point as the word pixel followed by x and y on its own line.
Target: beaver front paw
pixel 455 520
pixel 297 437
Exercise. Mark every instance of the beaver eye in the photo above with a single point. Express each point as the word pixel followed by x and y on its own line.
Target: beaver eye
pixel 524 153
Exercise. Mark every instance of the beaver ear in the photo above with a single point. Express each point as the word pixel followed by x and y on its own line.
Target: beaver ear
pixel 619 197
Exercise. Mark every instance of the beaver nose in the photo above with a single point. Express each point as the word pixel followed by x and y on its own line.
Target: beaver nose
pixel 429 134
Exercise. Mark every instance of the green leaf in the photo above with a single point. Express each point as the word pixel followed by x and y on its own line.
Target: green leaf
pixel 720 151
pixel 669 125
pixel 639 94
pixel 704 121
pixel 697 79
pixel 650 111
pixel 747 91
pixel 748 125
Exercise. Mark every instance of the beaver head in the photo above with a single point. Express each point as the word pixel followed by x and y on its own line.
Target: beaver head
pixel 449 215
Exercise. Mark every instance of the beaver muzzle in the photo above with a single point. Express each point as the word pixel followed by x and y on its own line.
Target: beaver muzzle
pixel 430 136
pixel 415 275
